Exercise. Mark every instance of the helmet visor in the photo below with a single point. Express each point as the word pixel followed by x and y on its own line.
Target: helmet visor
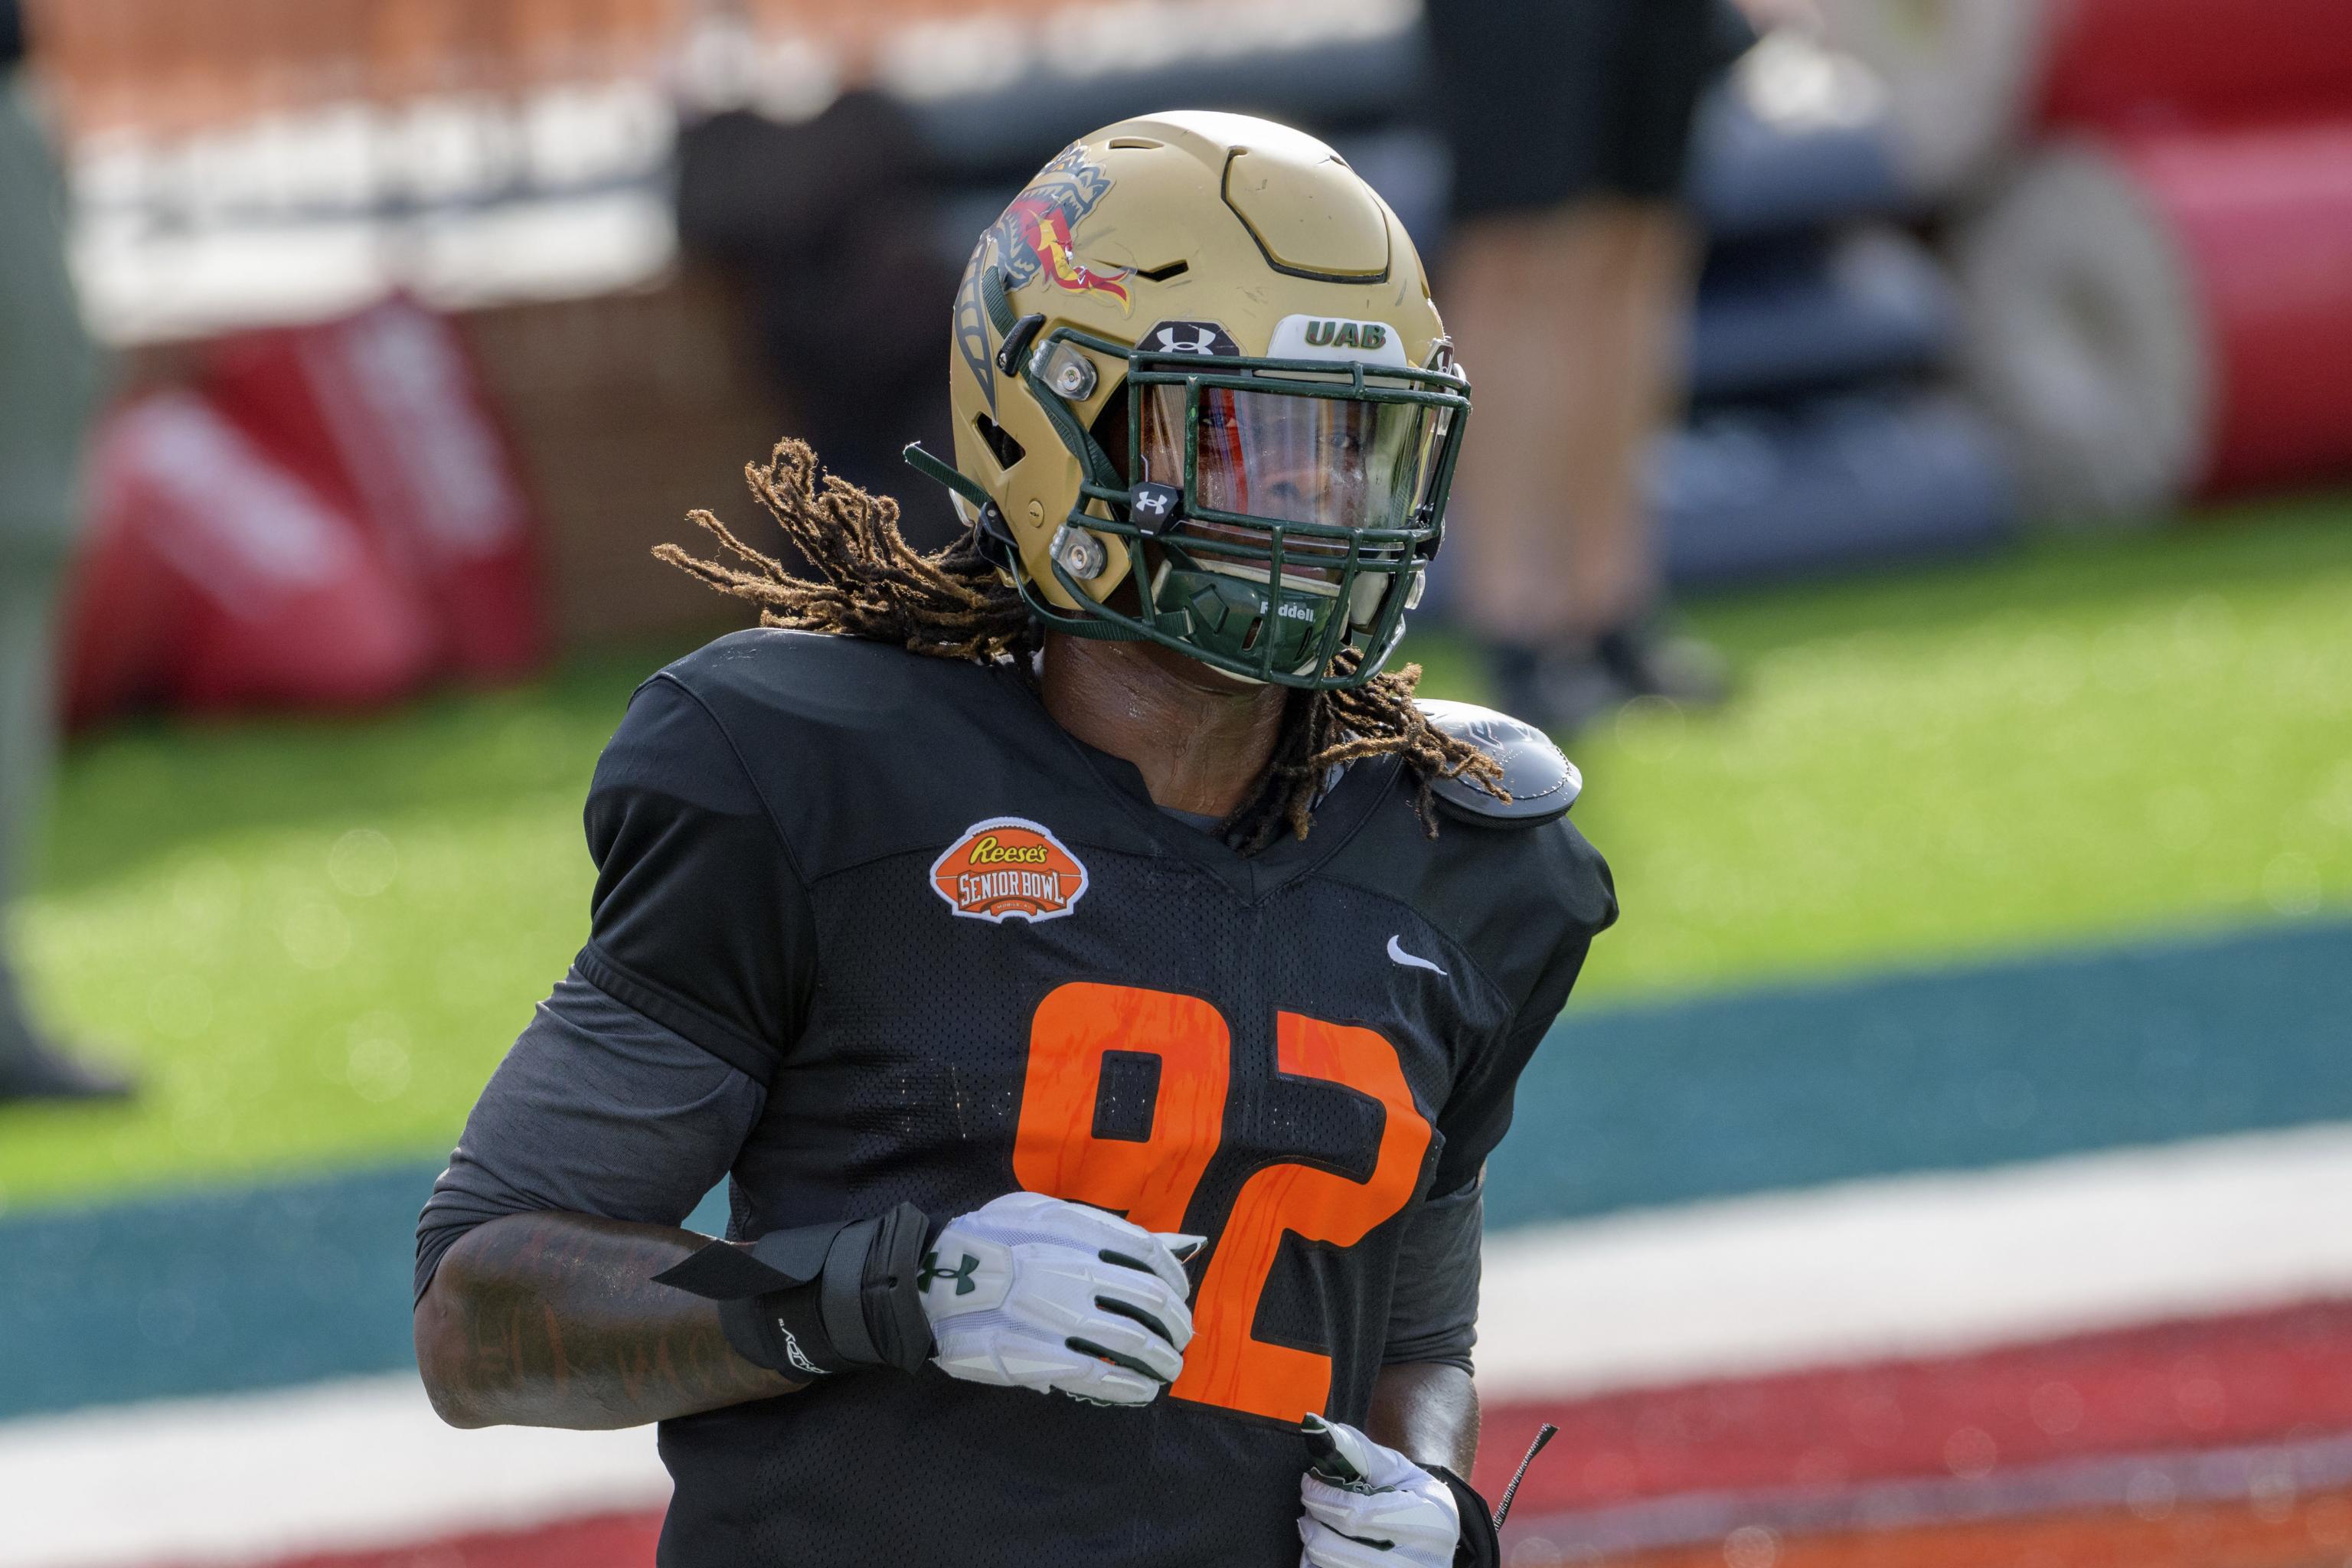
pixel 1339 463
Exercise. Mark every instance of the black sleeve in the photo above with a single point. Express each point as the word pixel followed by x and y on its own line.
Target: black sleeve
pixel 597 1110
pixel 1434 1305
pixel 700 921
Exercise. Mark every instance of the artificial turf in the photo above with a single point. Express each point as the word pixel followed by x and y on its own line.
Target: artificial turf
pixel 315 939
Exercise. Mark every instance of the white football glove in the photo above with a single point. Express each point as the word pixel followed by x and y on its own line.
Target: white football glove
pixel 1391 1514
pixel 1036 1292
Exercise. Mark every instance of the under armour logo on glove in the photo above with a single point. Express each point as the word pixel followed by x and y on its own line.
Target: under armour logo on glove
pixel 1057 1295
pixel 961 1273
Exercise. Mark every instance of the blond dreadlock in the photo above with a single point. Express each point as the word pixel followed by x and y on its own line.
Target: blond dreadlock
pixel 955 603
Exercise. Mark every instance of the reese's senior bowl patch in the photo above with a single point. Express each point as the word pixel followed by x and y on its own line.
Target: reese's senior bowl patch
pixel 1009 868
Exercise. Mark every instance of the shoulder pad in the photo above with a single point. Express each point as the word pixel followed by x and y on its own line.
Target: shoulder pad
pixel 1541 782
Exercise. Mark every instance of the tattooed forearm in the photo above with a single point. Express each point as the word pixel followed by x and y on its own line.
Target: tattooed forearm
pixel 1428 1412
pixel 552 1319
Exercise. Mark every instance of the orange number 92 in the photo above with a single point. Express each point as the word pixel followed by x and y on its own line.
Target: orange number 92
pixel 1055 1151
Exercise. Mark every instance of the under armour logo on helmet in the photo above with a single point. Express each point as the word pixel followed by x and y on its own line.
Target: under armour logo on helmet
pixel 1154 505
pixel 1202 341
pixel 1191 337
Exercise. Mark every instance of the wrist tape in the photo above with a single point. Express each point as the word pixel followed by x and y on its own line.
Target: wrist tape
pixel 820 1299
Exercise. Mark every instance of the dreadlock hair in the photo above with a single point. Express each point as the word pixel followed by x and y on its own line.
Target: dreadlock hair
pixel 869 583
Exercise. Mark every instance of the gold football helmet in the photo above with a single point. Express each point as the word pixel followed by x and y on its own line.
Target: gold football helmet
pixel 1202 399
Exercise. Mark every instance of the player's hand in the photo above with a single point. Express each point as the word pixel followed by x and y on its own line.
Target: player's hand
pixel 1370 1507
pixel 1036 1292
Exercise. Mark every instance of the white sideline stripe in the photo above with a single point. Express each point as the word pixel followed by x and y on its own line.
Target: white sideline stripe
pixel 341 1465
pixel 1916 1265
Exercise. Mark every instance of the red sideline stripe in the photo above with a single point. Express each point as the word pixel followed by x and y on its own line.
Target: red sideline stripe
pixel 604 1540
pixel 2285 1532
pixel 2209 1382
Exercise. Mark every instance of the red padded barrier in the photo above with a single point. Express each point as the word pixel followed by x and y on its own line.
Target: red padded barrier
pixel 214 578
pixel 382 412
pixel 2120 64
pixel 2265 220
pixel 126 614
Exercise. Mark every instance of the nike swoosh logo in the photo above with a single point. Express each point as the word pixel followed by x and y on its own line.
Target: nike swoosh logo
pixel 1398 955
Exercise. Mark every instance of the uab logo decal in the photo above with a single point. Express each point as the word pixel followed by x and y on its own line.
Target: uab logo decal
pixel 1009 868
pixel 1325 334
pixel 1335 338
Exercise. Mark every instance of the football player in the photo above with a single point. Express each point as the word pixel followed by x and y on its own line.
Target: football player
pixel 1097 979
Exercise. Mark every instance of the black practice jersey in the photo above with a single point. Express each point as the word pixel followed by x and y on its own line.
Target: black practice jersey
pixel 964 953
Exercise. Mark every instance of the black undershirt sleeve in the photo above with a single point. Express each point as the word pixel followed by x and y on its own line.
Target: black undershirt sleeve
pixel 597 1110
pixel 1433 1308
pixel 633 1089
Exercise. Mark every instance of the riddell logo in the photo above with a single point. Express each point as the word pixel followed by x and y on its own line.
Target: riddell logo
pixel 1009 868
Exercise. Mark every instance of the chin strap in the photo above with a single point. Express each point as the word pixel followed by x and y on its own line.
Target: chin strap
pixel 948 474
pixel 990 532
pixel 1503 1509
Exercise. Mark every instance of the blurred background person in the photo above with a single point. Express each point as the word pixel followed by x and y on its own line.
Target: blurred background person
pixel 1569 290
pixel 834 207
pixel 48 382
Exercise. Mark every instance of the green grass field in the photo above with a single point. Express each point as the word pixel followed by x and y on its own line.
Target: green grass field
pixel 315 940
